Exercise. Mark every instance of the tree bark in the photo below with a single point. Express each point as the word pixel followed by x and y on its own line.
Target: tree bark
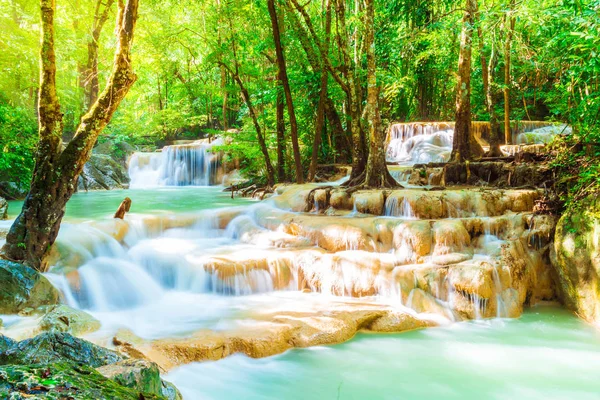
pixel 377 174
pixel 358 155
pixel 320 120
pixel 56 172
pixel 510 21
pixel 317 60
pixel 91 84
pixel 462 130
pixel 283 77
pixel 259 134
pixel 487 76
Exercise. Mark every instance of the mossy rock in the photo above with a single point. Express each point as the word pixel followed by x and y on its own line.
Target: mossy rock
pixel 6 343
pixel 576 260
pixel 63 318
pixel 62 380
pixel 53 347
pixel 141 375
pixel 22 287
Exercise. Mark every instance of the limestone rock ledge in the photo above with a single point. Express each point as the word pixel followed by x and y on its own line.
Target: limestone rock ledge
pixel 303 324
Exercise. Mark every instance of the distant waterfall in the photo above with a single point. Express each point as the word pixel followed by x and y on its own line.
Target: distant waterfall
pixel 426 142
pixel 179 165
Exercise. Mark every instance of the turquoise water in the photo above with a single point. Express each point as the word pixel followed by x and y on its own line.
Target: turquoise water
pixel 101 204
pixel 546 354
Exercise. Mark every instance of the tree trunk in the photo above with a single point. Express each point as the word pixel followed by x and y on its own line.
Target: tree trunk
pixel 56 172
pixel 225 95
pixel 487 76
pixel 377 174
pixel 259 134
pixel 462 130
pixel 90 81
pixel 280 135
pixel 317 61
pixel 510 21
pixel 283 77
pixel 358 156
pixel 322 99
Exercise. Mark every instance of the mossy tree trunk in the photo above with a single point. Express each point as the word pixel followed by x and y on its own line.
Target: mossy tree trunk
pixel 90 83
pixel 462 130
pixel 487 77
pixel 57 170
pixel 376 173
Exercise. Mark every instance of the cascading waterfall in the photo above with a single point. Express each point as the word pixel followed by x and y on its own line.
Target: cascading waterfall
pixel 430 142
pixel 178 165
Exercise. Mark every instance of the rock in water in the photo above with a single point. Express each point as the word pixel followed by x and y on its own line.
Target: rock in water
pixel 58 347
pixel 23 287
pixel 63 318
pixel 576 259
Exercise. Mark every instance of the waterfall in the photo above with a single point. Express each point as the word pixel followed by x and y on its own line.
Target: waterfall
pixel 178 165
pixel 429 142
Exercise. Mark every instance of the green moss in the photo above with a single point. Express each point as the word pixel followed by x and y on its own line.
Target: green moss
pixel 62 381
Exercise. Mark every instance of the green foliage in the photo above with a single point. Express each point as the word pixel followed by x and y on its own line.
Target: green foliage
pixel 18 138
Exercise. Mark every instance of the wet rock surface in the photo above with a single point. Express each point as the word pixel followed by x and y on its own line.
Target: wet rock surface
pixel 22 287
pixel 58 365
pixel 303 323
pixel 63 318
pixel 102 172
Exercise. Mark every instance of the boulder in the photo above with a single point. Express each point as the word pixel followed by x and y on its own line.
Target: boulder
pixel 369 202
pixel 63 380
pixel 23 287
pixel 53 347
pixel 102 172
pixel 141 375
pixel 63 318
pixel 6 343
pixel 576 260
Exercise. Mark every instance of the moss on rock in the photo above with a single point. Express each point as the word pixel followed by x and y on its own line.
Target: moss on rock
pixel 23 287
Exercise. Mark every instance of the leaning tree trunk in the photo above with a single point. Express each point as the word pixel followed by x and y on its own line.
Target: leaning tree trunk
pixel 56 172
pixel 462 130
pixel 377 174
pixel 259 135
pixel 283 77
pixel 91 84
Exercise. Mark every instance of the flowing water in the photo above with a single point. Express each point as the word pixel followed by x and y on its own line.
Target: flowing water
pixel 546 354
pixel 431 142
pixel 160 274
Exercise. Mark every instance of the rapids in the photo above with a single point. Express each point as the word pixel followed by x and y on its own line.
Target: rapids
pixel 193 275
